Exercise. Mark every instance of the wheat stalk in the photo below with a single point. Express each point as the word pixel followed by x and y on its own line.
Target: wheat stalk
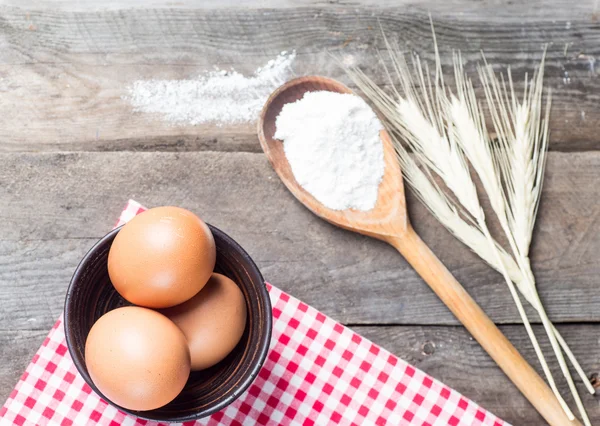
pixel 498 100
pixel 523 136
pixel 442 128
pixel 447 213
pixel 437 148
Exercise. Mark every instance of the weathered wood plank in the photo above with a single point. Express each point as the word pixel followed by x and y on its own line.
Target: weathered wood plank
pixel 447 6
pixel 55 205
pixel 63 73
pixel 33 280
pixel 447 353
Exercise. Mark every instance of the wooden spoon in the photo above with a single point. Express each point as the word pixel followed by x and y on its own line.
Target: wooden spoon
pixel 388 221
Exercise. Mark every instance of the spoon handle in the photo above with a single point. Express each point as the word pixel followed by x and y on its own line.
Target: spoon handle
pixel 481 327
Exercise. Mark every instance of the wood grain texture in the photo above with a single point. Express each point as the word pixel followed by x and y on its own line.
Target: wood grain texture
pixel 56 205
pixel 447 6
pixel 34 276
pixel 63 73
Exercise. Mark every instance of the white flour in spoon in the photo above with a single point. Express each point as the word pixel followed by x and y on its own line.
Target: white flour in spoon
pixel 332 143
pixel 221 97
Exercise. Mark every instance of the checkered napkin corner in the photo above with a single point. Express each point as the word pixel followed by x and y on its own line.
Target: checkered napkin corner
pixel 317 372
pixel 131 210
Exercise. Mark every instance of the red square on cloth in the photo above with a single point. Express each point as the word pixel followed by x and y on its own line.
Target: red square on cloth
pixel 317 372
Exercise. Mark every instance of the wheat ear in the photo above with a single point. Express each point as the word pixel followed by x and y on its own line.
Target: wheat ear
pixel 523 138
pixel 493 88
pixel 416 118
pixel 500 116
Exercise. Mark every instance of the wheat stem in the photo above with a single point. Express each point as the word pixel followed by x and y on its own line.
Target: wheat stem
pixel 562 363
pixel 531 334
pixel 574 361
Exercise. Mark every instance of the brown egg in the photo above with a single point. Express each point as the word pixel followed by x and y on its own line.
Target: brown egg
pixel 137 358
pixel 213 321
pixel 162 257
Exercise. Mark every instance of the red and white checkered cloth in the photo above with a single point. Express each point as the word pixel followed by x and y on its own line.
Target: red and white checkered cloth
pixel 318 372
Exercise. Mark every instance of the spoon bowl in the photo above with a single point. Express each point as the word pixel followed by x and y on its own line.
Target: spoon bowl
pixel 387 218
pixel 388 221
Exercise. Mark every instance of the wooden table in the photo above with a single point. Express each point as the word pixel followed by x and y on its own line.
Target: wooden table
pixel 72 152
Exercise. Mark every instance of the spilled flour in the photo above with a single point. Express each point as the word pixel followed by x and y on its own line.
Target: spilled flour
pixel 332 143
pixel 220 97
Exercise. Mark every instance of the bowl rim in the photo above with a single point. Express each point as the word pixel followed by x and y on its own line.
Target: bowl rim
pixel 243 385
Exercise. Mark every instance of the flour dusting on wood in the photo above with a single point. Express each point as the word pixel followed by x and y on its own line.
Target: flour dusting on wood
pixel 220 97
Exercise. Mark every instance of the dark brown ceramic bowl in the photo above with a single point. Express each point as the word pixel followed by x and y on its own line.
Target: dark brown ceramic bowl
pixel 91 294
